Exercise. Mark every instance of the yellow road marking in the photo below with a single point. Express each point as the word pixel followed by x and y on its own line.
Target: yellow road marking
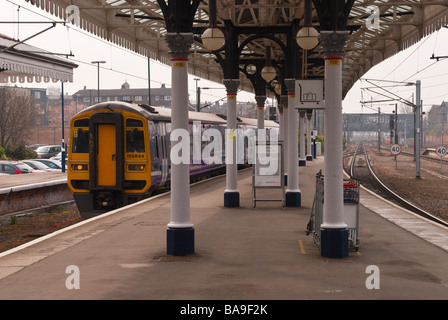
pixel 302 247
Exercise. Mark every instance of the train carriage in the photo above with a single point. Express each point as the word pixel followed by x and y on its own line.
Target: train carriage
pixel 120 153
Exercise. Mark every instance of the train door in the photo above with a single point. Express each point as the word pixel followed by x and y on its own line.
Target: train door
pixel 106 155
pixel 106 152
pixel 164 151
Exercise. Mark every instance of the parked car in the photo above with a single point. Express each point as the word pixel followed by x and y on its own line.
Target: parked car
pixel 59 157
pixel 37 165
pixel 55 164
pixel 46 152
pixel 14 167
pixel 35 146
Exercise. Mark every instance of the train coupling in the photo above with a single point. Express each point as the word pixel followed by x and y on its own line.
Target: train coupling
pixel 105 200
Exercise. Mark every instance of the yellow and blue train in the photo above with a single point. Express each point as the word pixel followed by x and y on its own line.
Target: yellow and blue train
pixel 119 153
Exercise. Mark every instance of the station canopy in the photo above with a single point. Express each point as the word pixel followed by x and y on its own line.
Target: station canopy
pixel 21 62
pixel 139 25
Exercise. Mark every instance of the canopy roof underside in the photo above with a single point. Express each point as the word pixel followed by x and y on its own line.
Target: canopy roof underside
pixel 139 25
pixel 20 62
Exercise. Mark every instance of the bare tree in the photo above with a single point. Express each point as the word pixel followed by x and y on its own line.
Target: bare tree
pixel 18 115
pixel 56 91
pixel 405 108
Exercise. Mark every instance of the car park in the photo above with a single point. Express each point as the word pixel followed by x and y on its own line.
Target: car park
pixel 55 164
pixel 59 156
pixel 38 165
pixel 14 167
pixel 46 152
pixel 35 146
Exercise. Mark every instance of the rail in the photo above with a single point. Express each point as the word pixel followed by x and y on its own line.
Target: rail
pixel 404 203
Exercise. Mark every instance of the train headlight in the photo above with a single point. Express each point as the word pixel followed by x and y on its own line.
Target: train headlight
pixel 80 167
pixel 136 167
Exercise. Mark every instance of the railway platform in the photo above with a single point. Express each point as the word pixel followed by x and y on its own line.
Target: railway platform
pixel 240 254
pixel 29 179
pixel 22 192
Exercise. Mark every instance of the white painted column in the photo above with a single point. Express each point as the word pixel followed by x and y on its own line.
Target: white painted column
pixel 302 156
pixel 231 193
pixel 260 111
pixel 309 154
pixel 180 232
pixel 292 194
pixel 285 136
pixel 334 233
pixel 281 125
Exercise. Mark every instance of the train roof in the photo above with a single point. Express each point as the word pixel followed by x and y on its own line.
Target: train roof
pixel 254 122
pixel 161 113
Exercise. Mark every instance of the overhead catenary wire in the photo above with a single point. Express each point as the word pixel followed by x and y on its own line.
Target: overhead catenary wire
pixel 414 74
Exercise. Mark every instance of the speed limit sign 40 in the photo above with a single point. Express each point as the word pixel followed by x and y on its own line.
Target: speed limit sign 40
pixel 395 149
pixel 441 151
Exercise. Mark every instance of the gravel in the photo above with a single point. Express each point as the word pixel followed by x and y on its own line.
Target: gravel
pixel 429 192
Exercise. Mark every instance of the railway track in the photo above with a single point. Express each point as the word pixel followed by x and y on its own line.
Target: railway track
pixel 437 160
pixel 361 169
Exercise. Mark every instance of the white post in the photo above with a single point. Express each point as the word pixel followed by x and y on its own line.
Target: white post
pixel 284 131
pixel 302 157
pixel 309 154
pixel 418 112
pixel 231 193
pixel 281 125
pixel 180 232
pixel 334 232
pixel 292 194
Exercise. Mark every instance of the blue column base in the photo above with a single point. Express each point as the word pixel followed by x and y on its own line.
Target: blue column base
pixel 334 243
pixel 302 163
pixel 293 199
pixel 309 158
pixel 231 199
pixel 180 241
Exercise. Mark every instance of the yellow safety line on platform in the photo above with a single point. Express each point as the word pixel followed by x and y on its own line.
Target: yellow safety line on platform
pixel 302 247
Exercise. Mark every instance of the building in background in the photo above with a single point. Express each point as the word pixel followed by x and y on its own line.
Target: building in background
pixel 437 125
pixel 48 125
pixel 160 97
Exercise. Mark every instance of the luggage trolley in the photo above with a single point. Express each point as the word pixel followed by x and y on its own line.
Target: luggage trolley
pixel 351 211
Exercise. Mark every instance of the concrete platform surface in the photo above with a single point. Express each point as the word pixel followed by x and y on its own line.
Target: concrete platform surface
pixel 240 254
pixel 15 180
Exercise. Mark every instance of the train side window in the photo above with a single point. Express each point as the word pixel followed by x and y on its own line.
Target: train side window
pixel 80 141
pixel 156 146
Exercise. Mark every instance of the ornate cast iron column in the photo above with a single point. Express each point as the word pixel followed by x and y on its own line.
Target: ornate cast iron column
pixel 334 233
pixel 309 154
pixel 284 130
pixel 231 193
pixel 180 231
pixel 292 195
pixel 260 111
pixel 302 155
